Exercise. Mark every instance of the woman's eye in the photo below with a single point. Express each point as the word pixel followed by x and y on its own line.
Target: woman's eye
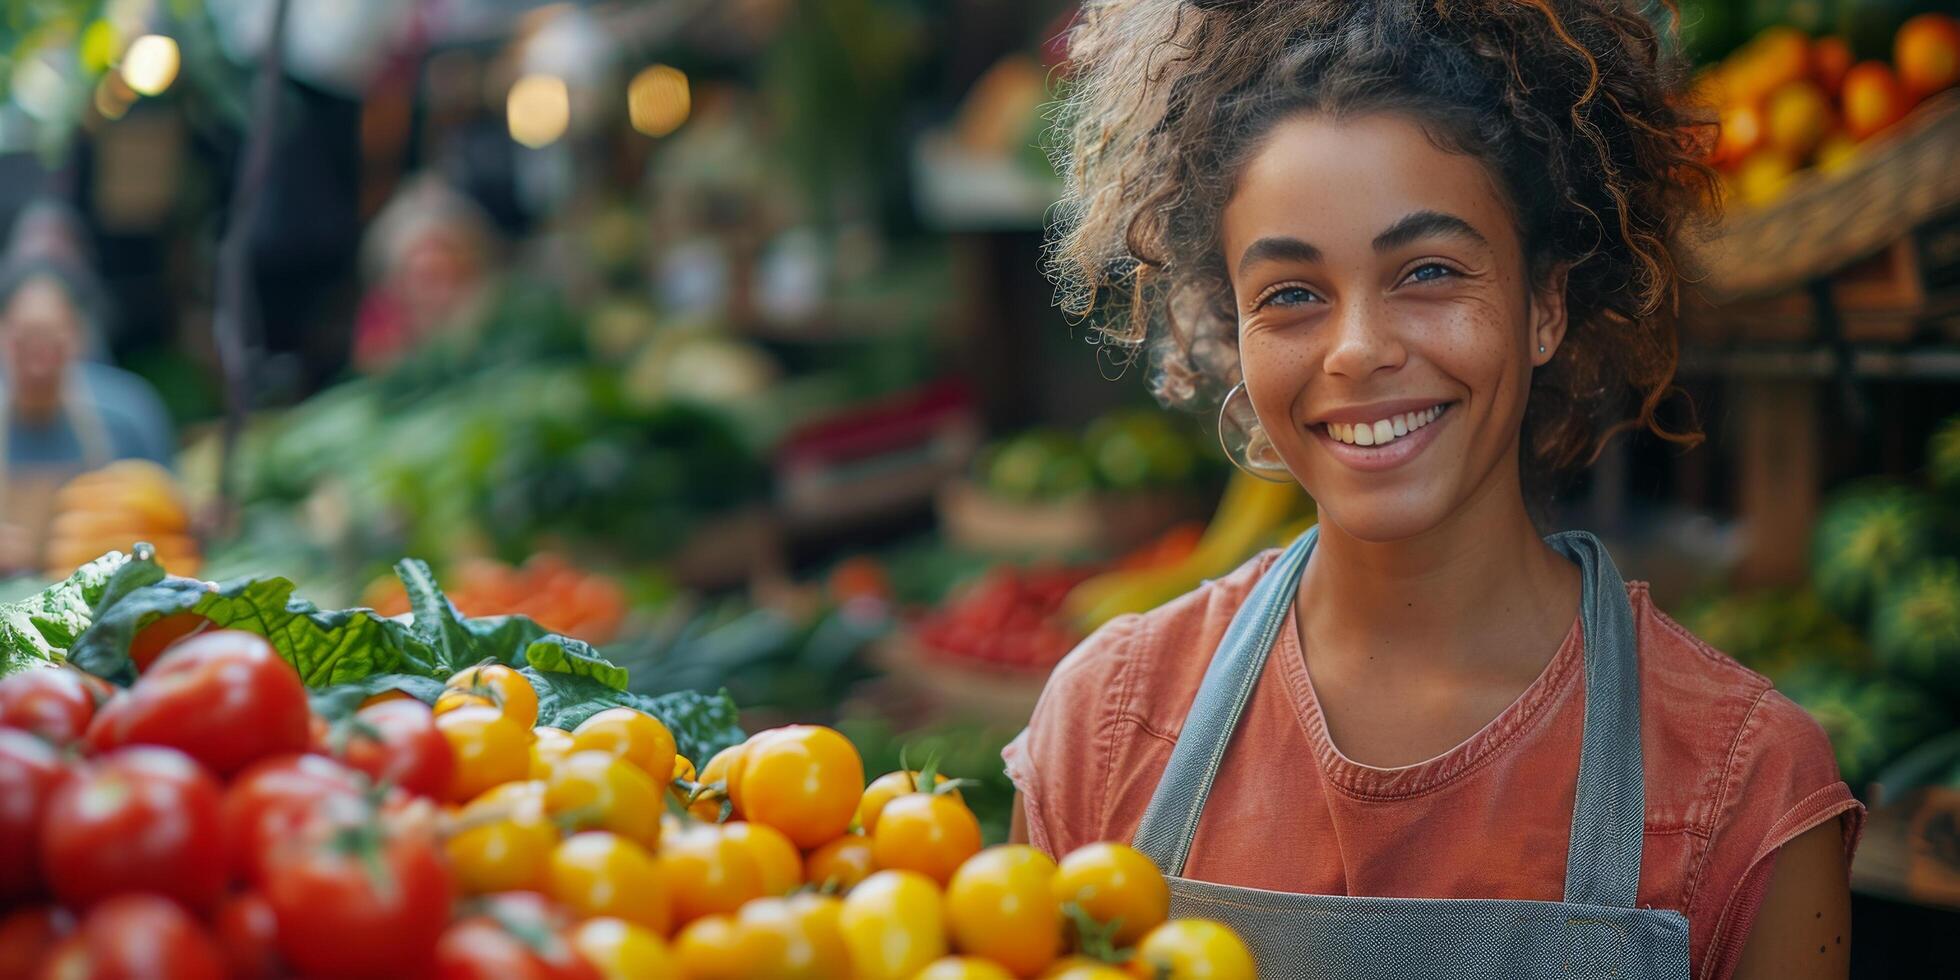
pixel 1289 296
pixel 1431 272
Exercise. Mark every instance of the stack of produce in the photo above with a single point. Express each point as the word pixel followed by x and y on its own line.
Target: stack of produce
pixel 1872 647
pixel 112 508
pixel 1120 452
pixel 1786 101
pixel 206 823
pixel 1011 619
pixel 547 588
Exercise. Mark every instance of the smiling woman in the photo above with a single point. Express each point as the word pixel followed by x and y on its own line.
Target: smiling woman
pixel 1432 245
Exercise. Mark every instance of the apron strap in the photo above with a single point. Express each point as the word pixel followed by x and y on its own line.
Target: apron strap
pixel 1171 819
pixel 1603 861
pixel 1602 864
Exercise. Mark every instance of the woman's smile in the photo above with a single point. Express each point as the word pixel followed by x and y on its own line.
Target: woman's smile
pixel 1382 436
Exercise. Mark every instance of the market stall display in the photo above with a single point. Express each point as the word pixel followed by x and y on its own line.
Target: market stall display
pixel 505 828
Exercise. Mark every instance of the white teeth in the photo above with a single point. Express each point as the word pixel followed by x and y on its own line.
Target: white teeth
pixel 1383 431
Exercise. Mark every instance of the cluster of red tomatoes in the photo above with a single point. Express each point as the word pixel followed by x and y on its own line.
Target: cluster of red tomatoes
pixel 205 823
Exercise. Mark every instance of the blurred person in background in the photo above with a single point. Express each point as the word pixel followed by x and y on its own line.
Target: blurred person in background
pixel 429 257
pixel 61 412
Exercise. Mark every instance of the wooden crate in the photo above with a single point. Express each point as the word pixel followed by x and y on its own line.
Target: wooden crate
pixel 1094 524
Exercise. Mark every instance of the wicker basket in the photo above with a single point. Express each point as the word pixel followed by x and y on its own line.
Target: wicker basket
pixel 1828 221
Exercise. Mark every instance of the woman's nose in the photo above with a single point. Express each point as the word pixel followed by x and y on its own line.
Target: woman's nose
pixel 1362 340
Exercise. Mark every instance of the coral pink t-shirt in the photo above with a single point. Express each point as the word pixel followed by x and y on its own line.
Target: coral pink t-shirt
pixel 1734 771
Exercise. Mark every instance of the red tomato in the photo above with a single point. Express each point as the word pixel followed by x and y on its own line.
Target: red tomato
pixel 151 640
pixel 248 936
pixel 144 818
pixel 397 743
pixel 137 936
pixel 520 936
pixel 55 703
pixel 274 799
pixel 30 772
pixel 225 697
pixel 28 936
pixel 355 900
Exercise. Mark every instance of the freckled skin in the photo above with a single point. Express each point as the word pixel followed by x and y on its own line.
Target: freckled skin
pixel 1369 333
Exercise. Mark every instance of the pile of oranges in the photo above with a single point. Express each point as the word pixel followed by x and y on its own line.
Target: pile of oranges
pixel 547 588
pixel 1786 101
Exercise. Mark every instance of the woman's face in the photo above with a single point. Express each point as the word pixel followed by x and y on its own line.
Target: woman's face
pixel 1387 324
pixel 40 335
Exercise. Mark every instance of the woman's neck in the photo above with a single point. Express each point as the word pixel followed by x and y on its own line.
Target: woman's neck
pixel 1481 591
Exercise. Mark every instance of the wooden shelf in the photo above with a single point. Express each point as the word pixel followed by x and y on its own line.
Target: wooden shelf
pixel 1940 363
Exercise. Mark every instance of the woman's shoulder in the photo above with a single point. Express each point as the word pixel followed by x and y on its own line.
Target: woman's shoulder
pixel 1731 737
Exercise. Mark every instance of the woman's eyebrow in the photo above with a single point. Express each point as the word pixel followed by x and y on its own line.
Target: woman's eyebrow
pixel 1418 225
pixel 1277 249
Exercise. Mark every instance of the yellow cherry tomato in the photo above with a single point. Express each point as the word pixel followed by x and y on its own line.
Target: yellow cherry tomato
pixel 392 694
pixel 683 769
pixel 932 835
pixel 1193 949
pixel 719 770
pixel 962 968
pixel 621 950
pixel 502 855
pixel 549 747
pixel 713 948
pixel 450 699
pixel 777 860
pixel 596 873
pixel 501 686
pixel 1001 906
pixel 894 923
pixel 635 736
pixel 523 799
pixel 793 938
pixel 489 749
pixel 1083 968
pixel 598 790
pixel 887 788
pixel 839 865
pixel 1115 883
pixel 708 873
pixel 804 780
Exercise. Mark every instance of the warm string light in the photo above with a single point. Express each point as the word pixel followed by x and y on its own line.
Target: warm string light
pixel 150 64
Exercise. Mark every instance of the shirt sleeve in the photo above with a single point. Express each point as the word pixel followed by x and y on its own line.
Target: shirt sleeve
pixel 1782 781
pixel 1061 762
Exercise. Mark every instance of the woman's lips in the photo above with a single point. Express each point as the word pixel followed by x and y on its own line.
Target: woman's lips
pixel 1398 449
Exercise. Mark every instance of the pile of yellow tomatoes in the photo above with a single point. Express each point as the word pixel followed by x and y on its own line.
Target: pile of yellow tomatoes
pixel 776 860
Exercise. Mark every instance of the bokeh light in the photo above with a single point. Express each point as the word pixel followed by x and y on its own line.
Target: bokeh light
pixel 657 100
pixel 150 64
pixel 540 108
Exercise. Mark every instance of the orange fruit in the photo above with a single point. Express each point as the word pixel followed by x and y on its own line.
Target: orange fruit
pixel 1830 58
pixel 1763 178
pixel 1798 117
pixel 1871 99
pixel 1742 133
pixel 1927 51
pixel 1836 153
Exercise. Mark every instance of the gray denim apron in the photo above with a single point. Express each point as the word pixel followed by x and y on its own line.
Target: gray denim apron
pixel 1597 931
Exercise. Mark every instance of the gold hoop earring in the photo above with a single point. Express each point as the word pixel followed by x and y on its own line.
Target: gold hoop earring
pixel 1245 441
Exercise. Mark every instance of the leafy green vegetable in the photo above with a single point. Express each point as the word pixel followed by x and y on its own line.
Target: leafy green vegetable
pixel 325 647
pixel 703 724
pixel 40 629
pixel 349 655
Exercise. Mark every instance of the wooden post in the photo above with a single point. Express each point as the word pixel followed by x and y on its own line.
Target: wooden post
pixel 1780 472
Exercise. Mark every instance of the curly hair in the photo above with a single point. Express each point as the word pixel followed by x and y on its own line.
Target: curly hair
pixel 1572 105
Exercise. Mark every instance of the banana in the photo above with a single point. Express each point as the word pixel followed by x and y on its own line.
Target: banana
pixel 1251 511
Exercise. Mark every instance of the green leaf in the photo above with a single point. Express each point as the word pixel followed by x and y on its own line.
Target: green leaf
pixel 42 629
pixel 565 655
pixel 325 647
pixel 703 724
pixel 437 621
pixel 340 700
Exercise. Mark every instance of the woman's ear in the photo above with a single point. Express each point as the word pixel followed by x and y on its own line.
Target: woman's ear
pixel 1548 315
